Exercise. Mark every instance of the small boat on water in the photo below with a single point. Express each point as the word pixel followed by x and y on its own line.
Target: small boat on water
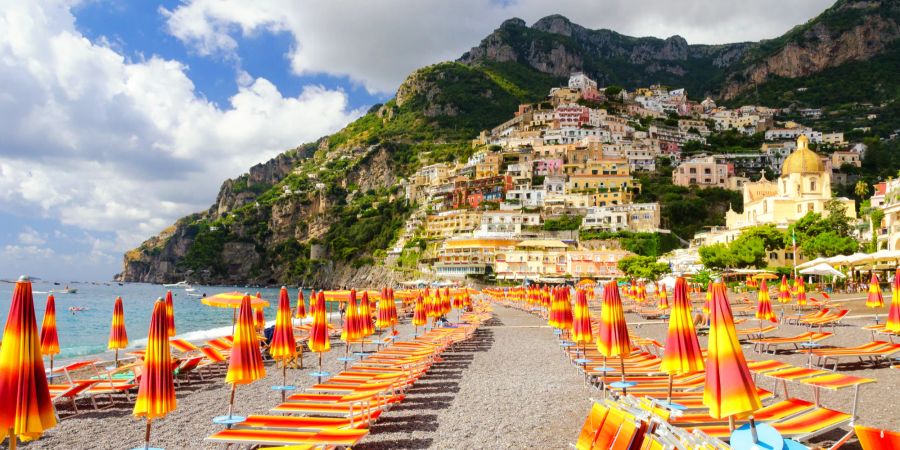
pixel 76 309
pixel 67 290
pixel 178 285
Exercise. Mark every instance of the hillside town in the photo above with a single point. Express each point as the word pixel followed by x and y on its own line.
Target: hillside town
pixel 545 194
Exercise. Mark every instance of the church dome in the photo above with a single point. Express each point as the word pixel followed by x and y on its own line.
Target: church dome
pixel 802 160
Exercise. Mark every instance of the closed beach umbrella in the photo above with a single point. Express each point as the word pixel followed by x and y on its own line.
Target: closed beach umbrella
pixel 612 336
pixel 118 338
pixel 24 395
pixel 581 327
pixel 245 365
pixel 301 306
pixel 682 353
pixel 663 297
pixel 392 307
pixel 284 346
pixel 365 316
pixel 259 316
pixel 352 324
pixel 801 291
pixel 49 336
pixel 784 291
pixel 156 393
pixel 170 313
pixel 384 312
pixel 874 299
pixel 318 332
pixel 565 311
pixel 419 316
pixel 764 305
pixel 729 388
pixel 893 320
pixel 312 303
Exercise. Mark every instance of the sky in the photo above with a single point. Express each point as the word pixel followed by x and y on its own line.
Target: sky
pixel 118 117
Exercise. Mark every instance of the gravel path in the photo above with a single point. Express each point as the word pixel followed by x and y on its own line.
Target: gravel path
pixel 510 387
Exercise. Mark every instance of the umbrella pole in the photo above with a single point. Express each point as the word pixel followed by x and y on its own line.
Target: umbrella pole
pixel 233 319
pixel 51 364
pixel 146 436
pixel 669 397
pixel 603 378
pixel 283 377
pixel 753 432
pixel 12 439
pixel 117 358
pixel 301 356
pixel 231 402
pixel 622 366
pixel 731 423
pixel 320 367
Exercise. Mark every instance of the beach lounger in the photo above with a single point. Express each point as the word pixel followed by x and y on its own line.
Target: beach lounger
pixel 254 436
pixel 755 332
pixel 591 427
pixel 70 392
pixel 875 439
pixel 828 319
pixel 801 426
pixel 183 346
pixel 873 351
pixel 772 343
pixel 795 319
pixel 299 423
pixel 188 366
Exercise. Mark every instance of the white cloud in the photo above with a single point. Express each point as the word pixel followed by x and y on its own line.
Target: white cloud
pixel 94 140
pixel 30 236
pixel 378 43
pixel 31 252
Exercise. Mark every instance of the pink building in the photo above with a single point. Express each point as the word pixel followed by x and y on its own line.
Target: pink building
pixel 546 167
pixel 704 172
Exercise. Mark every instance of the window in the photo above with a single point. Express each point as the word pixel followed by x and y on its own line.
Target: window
pixel 812 185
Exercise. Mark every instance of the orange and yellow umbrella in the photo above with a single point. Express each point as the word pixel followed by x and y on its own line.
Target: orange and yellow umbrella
pixel 764 305
pixel 565 311
pixel 352 324
pixel 301 306
pixel 682 352
pixel 893 321
pixel 170 313
pixel 156 393
pixel 384 311
pixel 729 389
pixel 801 292
pixel 365 315
pixel 784 292
pixel 318 332
pixel 259 316
pixel 875 299
pixel 612 336
pixel 118 337
pixel 420 318
pixel 245 365
pixel 49 336
pixel 581 328
pixel 233 300
pixel 283 346
pixel 663 297
pixel 312 303
pixel 27 408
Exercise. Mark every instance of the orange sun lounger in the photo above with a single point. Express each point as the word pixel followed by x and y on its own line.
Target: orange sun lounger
pixel 255 436
pixel 872 350
pixel 772 343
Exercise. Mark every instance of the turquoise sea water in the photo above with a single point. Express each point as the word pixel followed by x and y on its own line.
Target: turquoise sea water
pixel 86 332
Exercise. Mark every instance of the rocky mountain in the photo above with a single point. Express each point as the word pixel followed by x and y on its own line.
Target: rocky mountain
pixel 850 31
pixel 323 213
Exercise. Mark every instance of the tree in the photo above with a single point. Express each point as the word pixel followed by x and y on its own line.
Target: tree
pixel 748 250
pixel 647 267
pixel 825 236
pixel 861 189
pixel 716 256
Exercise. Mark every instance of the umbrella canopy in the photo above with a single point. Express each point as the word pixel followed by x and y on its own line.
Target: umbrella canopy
pixel 118 338
pixel 284 346
pixel 729 386
pixel 893 320
pixel 352 321
pixel 245 365
pixel 682 352
pixel 612 339
pixel 874 299
pixel 318 333
pixel 565 310
pixel 581 327
pixel 784 292
pixel 49 336
pixel 233 300
pixel 419 316
pixel 764 305
pixel 312 303
pixel 823 269
pixel 365 316
pixel 156 394
pixel 170 313
pixel 663 297
pixel 301 306
pixel 27 409
pixel 384 311
pixel 801 291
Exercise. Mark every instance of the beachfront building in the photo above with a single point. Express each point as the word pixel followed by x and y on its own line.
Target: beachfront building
pixel 447 224
pixel 506 223
pixel 462 257
pixel 887 197
pixel 532 259
pixel 636 217
pixel 596 264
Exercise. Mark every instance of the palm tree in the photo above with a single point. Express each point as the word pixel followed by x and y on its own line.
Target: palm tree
pixel 861 189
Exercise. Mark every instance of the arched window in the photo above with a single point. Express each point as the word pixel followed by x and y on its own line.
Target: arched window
pixel 812 185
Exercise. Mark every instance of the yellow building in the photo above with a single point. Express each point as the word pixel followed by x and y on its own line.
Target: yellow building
pixel 446 224
pixel 533 259
pixel 461 257
pixel 803 187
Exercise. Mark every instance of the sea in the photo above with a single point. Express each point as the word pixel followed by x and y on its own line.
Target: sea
pixel 84 333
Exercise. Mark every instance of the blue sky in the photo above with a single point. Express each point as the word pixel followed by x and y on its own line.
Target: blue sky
pixel 118 117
